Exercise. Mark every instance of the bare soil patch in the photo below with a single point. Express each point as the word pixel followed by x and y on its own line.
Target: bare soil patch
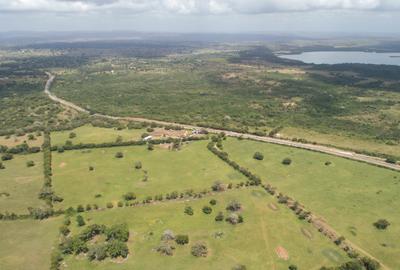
pixel 282 253
pixel 62 165
pixel 307 233
pixel 23 179
pixel 273 207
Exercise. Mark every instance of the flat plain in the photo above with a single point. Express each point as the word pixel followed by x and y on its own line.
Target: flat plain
pixel 263 232
pixel 349 195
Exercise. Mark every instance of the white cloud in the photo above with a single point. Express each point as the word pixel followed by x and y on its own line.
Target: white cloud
pixel 196 6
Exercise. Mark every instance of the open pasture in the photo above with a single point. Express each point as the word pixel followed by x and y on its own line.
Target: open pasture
pixel 350 195
pixel 162 171
pixel 91 134
pixel 20 184
pixel 27 244
pixel 254 243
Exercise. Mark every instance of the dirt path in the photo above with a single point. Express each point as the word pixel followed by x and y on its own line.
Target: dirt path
pixel 318 148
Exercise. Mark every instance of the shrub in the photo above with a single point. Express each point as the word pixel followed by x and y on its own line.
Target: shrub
pixel 40 213
pixel 80 221
pixel 213 202
pixel 2 167
pixel 116 248
pixel 91 168
pixel 258 156
pixel 369 264
pixel 207 210
pixel 120 204
pixel 286 161
pixel 72 135
pixel 60 149
pixel 219 217
pixel 188 211
pixel 110 205
pixel 30 163
pixel 119 155
pixel 182 239
pixel 381 224
pixel 218 186
pixel 234 219
pixel 292 267
pixel 138 165
pixel 391 160
pixel 199 250
pixel 165 249
pixel 7 156
pixel 129 196
pixel 80 208
pixel 234 206
pixel 97 252
pixel 150 147
pixel 88 207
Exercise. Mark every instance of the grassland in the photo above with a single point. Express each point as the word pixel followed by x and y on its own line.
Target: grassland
pixel 251 243
pixel 27 244
pixel 22 183
pixel 351 196
pixel 193 167
pixel 344 142
pixel 90 134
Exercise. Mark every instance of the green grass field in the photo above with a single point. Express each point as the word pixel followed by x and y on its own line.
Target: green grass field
pixel 21 183
pixel 27 244
pixel 90 134
pixel 252 243
pixel 193 167
pixel 350 195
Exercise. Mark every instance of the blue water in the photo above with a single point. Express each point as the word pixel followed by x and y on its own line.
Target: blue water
pixel 322 57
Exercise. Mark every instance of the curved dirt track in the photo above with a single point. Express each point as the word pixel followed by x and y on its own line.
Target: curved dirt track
pixel 318 148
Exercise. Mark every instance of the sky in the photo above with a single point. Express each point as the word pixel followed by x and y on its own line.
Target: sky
pixel 231 16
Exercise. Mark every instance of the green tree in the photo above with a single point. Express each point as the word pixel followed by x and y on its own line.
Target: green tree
pixel 182 239
pixel 80 221
pixel 258 156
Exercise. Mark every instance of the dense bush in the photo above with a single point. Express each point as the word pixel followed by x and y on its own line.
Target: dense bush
pixel 258 156
pixel 286 161
pixel 129 196
pixel 119 155
pixel 80 221
pixel 188 211
pixel 219 217
pixel 30 163
pixel 207 210
pixel 182 239
pixel 116 248
pixel 7 156
pixel 213 202
pixel 381 224
pixel 118 232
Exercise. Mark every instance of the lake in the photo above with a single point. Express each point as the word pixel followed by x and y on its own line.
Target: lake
pixel 336 57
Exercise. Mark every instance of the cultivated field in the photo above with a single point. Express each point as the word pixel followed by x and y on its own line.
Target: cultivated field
pixel 163 171
pixel 27 244
pixel 19 184
pixel 90 134
pixel 253 243
pixel 351 196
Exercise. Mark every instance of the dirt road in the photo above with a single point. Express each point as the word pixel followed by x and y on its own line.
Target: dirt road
pixel 318 148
